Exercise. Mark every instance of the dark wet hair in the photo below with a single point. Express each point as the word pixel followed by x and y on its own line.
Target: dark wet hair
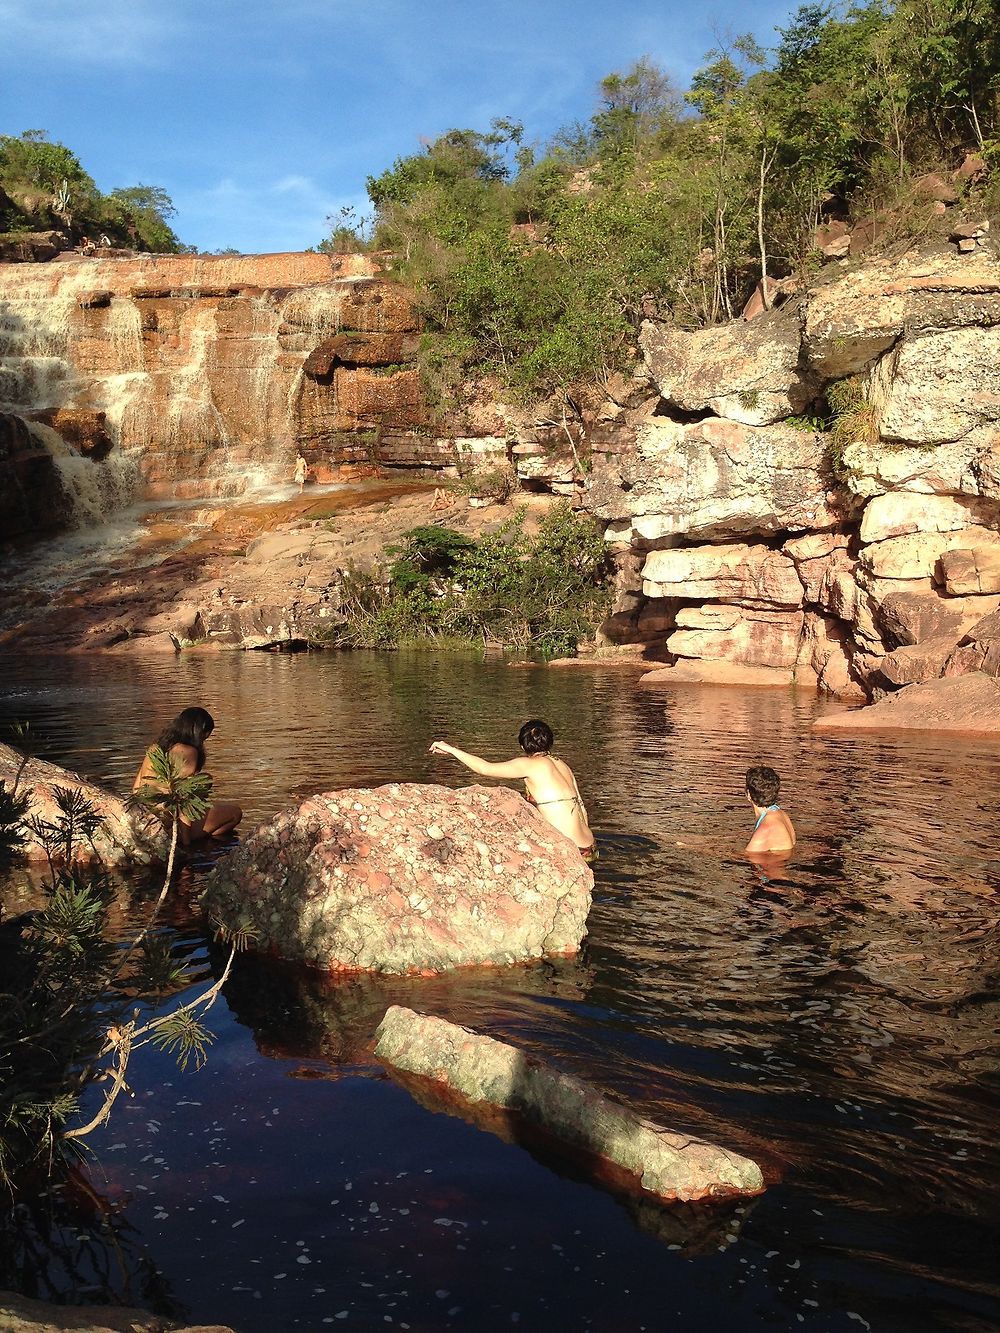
pixel 535 737
pixel 191 727
pixel 763 785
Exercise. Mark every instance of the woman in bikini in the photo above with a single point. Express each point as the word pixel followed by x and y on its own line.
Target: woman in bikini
pixel 184 741
pixel 548 782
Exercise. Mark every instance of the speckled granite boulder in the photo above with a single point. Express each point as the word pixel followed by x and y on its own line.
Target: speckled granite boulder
pixel 125 836
pixel 484 1073
pixel 406 878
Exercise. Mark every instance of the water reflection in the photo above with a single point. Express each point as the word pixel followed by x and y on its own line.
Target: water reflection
pixel 838 1020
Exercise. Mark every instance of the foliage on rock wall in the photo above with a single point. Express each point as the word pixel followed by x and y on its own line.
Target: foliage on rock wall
pixel 46 186
pixel 539 265
pixel 542 593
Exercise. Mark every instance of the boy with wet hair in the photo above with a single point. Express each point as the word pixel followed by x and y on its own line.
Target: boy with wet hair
pixel 773 831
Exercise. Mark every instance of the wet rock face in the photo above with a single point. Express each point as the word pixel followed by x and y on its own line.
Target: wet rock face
pixel 204 367
pixel 406 878
pixel 484 1074
pixel 125 836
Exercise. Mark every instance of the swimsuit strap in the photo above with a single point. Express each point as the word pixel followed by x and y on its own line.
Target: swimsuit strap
pixel 558 800
pixel 760 817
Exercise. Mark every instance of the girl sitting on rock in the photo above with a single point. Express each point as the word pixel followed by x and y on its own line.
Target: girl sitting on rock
pixel 549 783
pixel 184 741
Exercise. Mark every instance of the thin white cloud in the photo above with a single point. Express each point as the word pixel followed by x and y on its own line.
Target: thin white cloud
pixel 109 32
pixel 286 214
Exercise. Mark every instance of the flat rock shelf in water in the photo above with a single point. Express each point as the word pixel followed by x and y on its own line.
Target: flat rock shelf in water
pixel 406 878
pixel 478 1070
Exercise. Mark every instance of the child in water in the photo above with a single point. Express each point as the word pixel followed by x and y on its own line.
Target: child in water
pixel 773 831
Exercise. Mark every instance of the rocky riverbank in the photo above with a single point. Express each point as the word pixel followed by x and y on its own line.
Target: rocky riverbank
pixel 809 495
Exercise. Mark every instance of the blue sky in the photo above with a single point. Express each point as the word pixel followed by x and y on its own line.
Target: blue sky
pixel 262 117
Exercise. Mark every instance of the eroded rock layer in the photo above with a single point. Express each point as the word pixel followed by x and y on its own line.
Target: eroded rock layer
pixel 815 497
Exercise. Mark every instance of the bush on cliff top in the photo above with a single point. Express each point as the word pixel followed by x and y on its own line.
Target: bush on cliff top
pixel 539 267
pixel 48 186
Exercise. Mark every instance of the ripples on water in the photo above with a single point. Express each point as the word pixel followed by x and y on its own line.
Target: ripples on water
pixel 840 1022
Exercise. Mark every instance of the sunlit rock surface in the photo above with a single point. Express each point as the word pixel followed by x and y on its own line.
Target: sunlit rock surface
pixel 123 836
pixel 967 703
pixel 861 555
pixel 18 1314
pixel 488 1075
pixel 406 878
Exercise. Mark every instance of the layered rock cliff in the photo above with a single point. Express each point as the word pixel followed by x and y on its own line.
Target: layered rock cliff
pixel 814 496
pixel 811 495
pixel 181 375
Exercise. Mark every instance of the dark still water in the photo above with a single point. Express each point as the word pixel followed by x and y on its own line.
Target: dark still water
pixel 841 1024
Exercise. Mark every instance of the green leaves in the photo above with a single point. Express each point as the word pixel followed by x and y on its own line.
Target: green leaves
pixel 173 795
pixel 542 593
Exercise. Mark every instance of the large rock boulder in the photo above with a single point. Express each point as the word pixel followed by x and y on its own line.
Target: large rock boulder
pixel 485 1075
pixel 944 384
pixel 713 478
pixel 746 635
pixel 969 703
pixel 124 835
pixel 900 513
pixel 745 372
pixel 406 878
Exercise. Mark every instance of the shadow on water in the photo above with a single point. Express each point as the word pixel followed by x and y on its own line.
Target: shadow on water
pixel 837 1020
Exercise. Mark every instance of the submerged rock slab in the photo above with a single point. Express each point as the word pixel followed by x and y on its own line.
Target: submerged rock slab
pixel 124 836
pixel 406 878
pixel 479 1070
pixel 968 704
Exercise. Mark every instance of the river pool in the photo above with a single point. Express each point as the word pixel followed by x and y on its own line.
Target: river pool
pixel 839 1024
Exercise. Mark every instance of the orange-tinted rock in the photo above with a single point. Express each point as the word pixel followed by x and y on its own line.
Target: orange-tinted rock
pixel 407 878
pixel 123 836
pixel 741 573
pixel 976 570
pixel 968 703
pixel 917 662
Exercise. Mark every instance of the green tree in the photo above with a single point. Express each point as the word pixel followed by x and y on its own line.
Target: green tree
pixel 141 212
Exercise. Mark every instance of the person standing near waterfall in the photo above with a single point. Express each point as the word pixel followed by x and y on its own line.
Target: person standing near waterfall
pixel 301 471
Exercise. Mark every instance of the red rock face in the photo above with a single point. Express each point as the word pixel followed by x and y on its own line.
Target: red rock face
pixel 204 368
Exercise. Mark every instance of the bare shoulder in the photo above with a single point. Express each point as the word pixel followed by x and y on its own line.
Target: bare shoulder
pixel 185 757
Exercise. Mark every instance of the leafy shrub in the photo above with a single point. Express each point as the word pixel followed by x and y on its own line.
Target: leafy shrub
pixel 543 593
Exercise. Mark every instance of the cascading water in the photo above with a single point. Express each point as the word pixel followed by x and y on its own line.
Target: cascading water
pixel 191 368
pixel 95 491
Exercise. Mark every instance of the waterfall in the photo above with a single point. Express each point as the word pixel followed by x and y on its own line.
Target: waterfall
pixel 94 491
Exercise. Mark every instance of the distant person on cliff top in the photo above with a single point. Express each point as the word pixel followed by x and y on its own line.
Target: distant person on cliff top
pixel 548 782
pixel 773 831
pixel 184 741
pixel 301 471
